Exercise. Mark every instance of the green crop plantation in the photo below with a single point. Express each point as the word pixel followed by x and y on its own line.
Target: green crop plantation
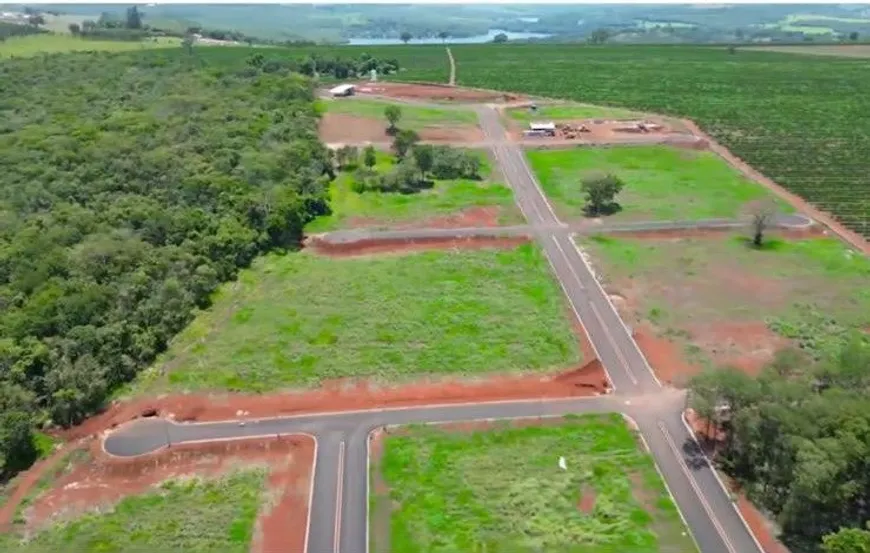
pixel 501 489
pixel 802 121
pixel 300 319
pixel 215 516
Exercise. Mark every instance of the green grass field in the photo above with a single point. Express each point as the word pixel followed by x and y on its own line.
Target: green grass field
pixel 661 182
pixel 298 319
pixel 204 516
pixel 501 490
pixel 33 45
pixel 381 210
pixel 813 291
pixel 413 117
pixel 568 112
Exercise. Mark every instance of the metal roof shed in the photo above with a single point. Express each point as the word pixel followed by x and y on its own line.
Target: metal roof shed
pixel 541 126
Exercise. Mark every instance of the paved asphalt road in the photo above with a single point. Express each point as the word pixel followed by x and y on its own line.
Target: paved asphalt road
pixel 338 522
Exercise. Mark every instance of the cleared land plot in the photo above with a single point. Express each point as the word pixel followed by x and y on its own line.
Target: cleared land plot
pixel 192 515
pixel 661 182
pixel 413 117
pixel 300 319
pixel 844 50
pixel 32 45
pixel 570 112
pixel 725 303
pixel 448 203
pixel 501 489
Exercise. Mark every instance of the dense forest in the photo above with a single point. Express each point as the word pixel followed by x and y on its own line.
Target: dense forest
pixel 797 438
pixel 130 186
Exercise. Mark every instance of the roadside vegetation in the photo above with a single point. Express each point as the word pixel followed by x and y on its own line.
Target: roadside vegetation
pixel 661 182
pixel 811 416
pixel 354 203
pixel 800 120
pixel 132 185
pixel 501 489
pixel 184 515
pixel 300 319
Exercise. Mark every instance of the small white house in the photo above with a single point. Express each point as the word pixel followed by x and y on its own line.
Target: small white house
pixel 342 90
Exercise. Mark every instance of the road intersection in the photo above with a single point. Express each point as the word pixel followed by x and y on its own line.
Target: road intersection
pixel 338 520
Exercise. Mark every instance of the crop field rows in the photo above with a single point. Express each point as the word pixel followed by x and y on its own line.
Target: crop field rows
pixel 812 139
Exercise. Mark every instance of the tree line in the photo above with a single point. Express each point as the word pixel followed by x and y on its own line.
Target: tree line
pixel 797 438
pixel 131 186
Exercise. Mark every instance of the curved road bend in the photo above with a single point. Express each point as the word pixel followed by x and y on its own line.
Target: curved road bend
pixel 339 507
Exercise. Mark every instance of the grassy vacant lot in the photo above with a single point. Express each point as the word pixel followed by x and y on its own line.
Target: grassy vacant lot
pixel 813 291
pixel 501 490
pixel 570 112
pixel 32 45
pixel 378 209
pixel 300 318
pixel 661 182
pixel 413 117
pixel 215 516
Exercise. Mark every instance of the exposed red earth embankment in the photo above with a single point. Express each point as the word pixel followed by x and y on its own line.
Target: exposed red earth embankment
pixel 398 245
pixel 105 480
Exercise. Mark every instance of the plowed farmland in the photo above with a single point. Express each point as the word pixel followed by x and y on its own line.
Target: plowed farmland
pixel 803 121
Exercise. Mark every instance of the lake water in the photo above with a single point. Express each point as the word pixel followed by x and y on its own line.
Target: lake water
pixel 479 39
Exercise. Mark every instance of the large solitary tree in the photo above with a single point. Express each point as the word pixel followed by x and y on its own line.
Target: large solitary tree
pixel 601 190
pixel 406 36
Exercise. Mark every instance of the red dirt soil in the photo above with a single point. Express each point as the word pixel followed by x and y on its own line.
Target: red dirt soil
pixel 345 396
pixel 281 526
pixel 28 479
pixel 473 217
pixel 368 247
pixel 343 128
pixel 587 500
pixel 664 356
pixel 433 92
pixel 748 346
